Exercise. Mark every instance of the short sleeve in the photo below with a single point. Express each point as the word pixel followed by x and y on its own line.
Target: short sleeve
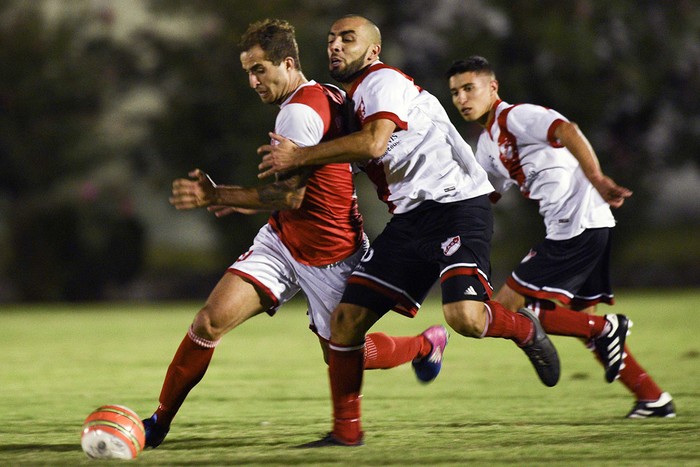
pixel 299 123
pixel 386 94
pixel 534 124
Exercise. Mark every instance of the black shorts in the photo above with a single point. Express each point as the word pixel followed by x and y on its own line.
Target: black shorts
pixel 450 241
pixel 575 272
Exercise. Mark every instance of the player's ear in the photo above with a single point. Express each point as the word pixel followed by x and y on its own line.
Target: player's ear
pixel 374 52
pixel 494 86
pixel 289 63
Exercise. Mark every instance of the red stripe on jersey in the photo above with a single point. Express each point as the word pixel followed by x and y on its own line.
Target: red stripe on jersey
pixel 401 125
pixel 508 151
pixel 375 67
pixel 327 228
pixel 550 133
pixel 375 172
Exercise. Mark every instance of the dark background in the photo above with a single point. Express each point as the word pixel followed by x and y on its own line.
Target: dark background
pixel 103 103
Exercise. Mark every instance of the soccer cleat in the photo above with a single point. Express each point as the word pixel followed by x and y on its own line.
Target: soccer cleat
pixel 155 434
pixel 427 368
pixel 610 345
pixel 541 352
pixel 661 407
pixel 328 441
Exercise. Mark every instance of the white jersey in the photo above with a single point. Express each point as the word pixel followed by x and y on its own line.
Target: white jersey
pixel 519 148
pixel 426 158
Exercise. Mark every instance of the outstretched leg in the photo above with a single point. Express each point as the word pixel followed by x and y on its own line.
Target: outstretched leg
pixel 232 301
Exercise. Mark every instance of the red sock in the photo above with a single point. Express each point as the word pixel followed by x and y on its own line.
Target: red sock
pixel 561 321
pixel 637 380
pixel 501 322
pixel 185 371
pixel 345 368
pixel 383 351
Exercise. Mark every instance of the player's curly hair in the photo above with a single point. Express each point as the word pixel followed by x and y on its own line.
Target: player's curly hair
pixel 276 37
pixel 474 63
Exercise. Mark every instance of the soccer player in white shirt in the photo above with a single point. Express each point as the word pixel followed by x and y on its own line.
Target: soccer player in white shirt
pixel 440 229
pixel 551 162
pixel 312 241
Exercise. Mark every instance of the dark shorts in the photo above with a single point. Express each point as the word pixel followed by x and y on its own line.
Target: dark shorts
pixel 575 272
pixel 449 241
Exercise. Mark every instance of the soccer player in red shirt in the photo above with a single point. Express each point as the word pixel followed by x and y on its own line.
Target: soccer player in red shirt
pixel 311 243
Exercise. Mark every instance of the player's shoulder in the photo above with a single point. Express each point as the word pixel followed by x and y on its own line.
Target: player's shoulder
pixel 380 75
pixel 382 71
pixel 318 96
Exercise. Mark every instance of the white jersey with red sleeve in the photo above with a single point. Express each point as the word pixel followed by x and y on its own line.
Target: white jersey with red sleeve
pixel 426 158
pixel 519 148
pixel 327 228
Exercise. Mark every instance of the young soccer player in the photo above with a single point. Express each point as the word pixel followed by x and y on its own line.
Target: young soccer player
pixel 550 160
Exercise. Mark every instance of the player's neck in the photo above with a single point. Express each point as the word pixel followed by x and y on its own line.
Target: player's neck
pixel 487 119
pixel 296 82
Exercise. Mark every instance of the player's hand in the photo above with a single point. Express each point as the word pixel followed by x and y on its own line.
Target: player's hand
pixel 221 211
pixel 611 192
pixel 278 156
pixel 195 192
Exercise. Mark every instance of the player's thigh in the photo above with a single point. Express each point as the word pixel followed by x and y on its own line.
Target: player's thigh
pixel 323 288
pixel 509 298
pixel 232 302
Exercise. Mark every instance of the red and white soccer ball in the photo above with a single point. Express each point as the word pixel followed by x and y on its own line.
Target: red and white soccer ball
pixel 113 432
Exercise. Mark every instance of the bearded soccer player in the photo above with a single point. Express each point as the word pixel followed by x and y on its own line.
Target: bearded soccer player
pixel 440 228
pixel 563 278
pixel 312 241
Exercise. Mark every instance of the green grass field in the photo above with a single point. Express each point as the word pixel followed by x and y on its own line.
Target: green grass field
pixel 266 391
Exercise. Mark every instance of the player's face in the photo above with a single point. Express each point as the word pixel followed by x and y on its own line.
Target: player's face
pixel 350 48
pixel 473 94
pixel 270 81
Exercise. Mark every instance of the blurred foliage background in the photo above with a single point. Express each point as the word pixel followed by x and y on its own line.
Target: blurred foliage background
pixel 104 102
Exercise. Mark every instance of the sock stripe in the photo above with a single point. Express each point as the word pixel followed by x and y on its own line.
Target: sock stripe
pixel 207 344
pixel 345 348
pixel 489 320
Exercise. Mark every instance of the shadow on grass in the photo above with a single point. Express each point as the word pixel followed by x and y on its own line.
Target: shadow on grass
pixel 34 447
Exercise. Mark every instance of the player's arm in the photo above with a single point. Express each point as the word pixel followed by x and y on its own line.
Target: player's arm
pixel 571 137
pixel 368 143
pixel 200 191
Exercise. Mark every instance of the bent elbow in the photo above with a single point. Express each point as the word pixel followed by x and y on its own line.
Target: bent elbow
pixel 376 150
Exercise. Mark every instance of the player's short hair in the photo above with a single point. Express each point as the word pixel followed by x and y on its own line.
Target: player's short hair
pixel 474 63
pixel 276 37
pixel 374 29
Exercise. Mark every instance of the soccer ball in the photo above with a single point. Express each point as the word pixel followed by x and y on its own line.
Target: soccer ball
pixel 113 432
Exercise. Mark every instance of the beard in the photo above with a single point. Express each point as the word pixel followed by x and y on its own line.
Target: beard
pixel 350 72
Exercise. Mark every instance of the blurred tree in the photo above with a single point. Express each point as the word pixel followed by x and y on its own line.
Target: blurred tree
pixel 83 165
pixel 53 85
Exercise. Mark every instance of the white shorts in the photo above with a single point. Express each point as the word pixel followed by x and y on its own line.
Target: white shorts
pixel 270 266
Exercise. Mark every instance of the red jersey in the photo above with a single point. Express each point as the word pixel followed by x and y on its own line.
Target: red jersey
pixel 327 228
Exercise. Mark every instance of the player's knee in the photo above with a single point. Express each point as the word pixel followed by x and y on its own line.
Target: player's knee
pixel 206 326
pixel 349 323
pixel 466 318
